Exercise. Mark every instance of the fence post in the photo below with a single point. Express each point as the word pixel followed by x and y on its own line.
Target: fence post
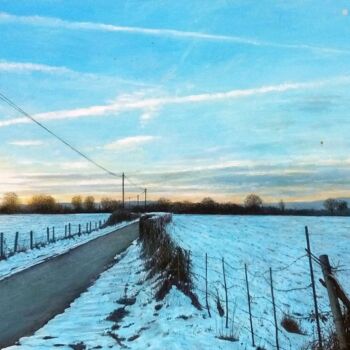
pixel 225 286
pixel 249 306
pixel 334 302
pixel 53 234
pixel 90 226
pixel 274 310
pixel 2 255
pixel 206 284
pixel 99 224
pixel 79 232
pixel 48 234
pixel 69 230
pixel 16 242
pixel 65 231
pixel 320 345
pixel 31 239
pixel 87 228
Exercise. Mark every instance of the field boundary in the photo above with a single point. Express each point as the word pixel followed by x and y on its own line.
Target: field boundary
pixel 31 297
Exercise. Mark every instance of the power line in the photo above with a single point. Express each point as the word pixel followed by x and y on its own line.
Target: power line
pixel 66 143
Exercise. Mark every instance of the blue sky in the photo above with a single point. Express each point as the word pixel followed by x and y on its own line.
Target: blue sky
pixel 188 98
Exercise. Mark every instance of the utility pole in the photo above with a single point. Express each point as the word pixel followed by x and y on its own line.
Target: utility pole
pixel 123 191
pixel 145 198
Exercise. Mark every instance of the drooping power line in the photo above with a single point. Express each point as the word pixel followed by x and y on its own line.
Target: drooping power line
pixel 66 143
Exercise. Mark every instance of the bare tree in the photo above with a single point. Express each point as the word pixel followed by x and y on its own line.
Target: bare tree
pixel 281 206
pixel 110 205
pixel 330 205
pixel 10 203
pixel 253 201
pixel 42 204
pixel 342 206
pixel 77 203
pixel 89 203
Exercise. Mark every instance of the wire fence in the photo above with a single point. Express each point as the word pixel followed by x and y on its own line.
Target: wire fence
pixel 261 298
pixel 11 244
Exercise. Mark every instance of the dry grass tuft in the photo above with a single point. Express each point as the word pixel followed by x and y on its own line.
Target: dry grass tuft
pixel 291 325
pixel 164 257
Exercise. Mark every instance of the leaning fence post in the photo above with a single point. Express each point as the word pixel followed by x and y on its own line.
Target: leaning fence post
pixel 249 305
pixel 320 345
pixel 2 255
pixel 225 286
pixel 31 239
pixel 16 242
pixel 274 310
pixel 206 284
pixel 334 302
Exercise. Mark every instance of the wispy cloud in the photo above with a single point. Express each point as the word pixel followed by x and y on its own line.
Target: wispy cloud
pixel 20 67
pixel 129 142
pixel 26 143
pixel 151 104
pixel 159 32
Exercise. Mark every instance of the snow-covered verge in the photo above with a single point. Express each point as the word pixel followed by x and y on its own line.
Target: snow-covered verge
pixel 262 242
pixel 120 311
pixel 23 260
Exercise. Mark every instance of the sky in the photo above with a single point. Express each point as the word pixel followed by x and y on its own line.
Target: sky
pixel 188 98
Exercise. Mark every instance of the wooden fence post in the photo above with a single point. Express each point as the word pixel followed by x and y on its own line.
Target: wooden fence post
pixel 87 228
pixel 79 232
pixel 65 231
pixel 225 286
pixel 48 234
pixel 249 305
pixel 206 284
pixel 2 254
pixel 69 230
pixel 90 227
pixel 16 242
pixel 31 239
pixel 274 310
pixel 53 233
pixel 319 333
pixel 334 302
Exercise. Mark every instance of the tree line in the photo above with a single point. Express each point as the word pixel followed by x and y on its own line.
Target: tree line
pixel 46 204
pixel 253 205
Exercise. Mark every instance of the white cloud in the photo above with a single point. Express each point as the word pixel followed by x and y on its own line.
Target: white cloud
pixel 152 104
pixel 18 67
pixel 169 33
pixel 129 142
pixel 26 143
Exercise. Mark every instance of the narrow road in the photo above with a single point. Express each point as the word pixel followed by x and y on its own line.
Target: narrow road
pixel 30 298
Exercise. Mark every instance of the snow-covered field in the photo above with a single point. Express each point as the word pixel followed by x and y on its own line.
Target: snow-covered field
pixel 38 223
pixel 260 242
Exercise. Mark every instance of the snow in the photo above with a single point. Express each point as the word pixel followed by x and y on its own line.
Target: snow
pixel 38 223
pixel 260 242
